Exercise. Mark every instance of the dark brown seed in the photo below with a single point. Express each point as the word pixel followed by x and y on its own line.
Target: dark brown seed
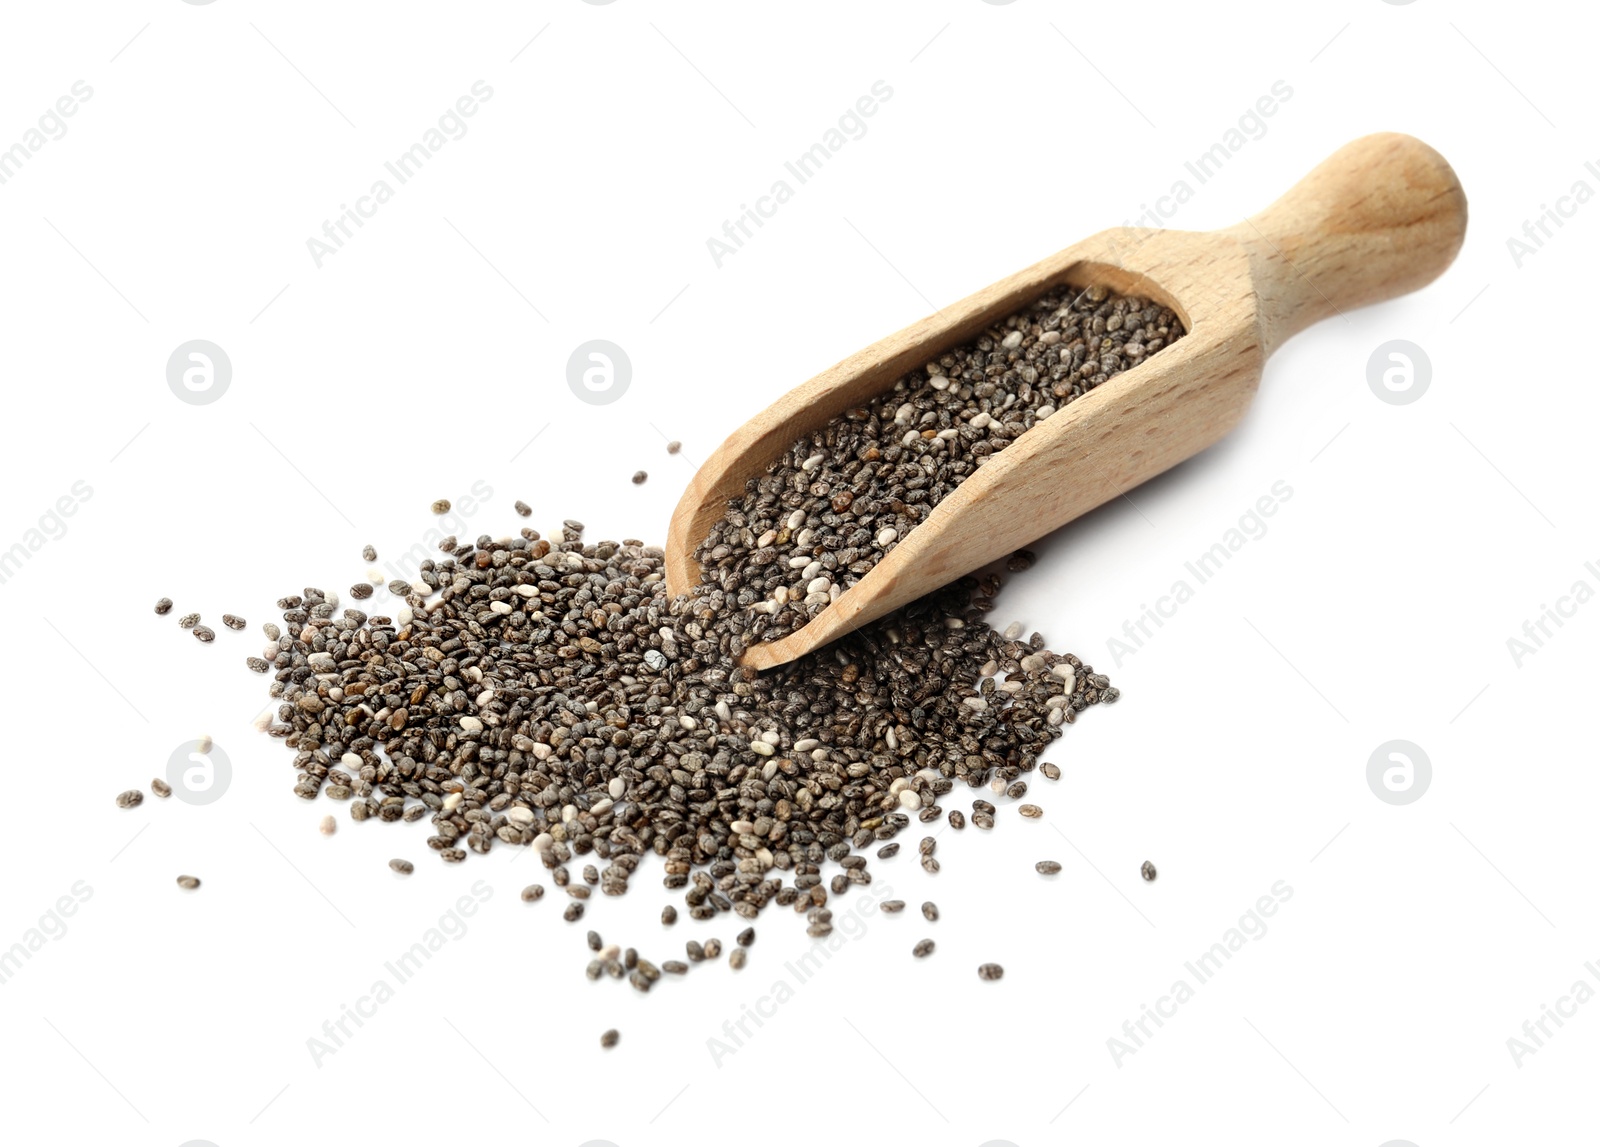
pixel 669 915
pixel 533 892
pixel 695 952
pixel 674 967
pixel 1031 811
pixel 361 590
pixel 233 621
pixel 888 850
pixel 674 446
pixel 257 665
pixel 930 864
pixel 990 971
pixel 578 891
pixel 594 940
pixel 369 554
pixel 609 1037
pixel 188 621
pixel 923 948
pixel 1147 870
pixel 892 906
pixel 523 508
pixel 1053 772
pixel 630 959
pixel 204 633
pixel 574 911
pixel 164 605
pixel 1047 867
pixel 160 787
pixel 403 867
pixel 746 938
pixel 713 949
pixel 130 799
pixel 957 820
pixel 1017 790
pixel 189 882
pixel 640 981
pixel 927 845
pixel 930 910
pixel 594 969
pixel 639 477
pixel 442 506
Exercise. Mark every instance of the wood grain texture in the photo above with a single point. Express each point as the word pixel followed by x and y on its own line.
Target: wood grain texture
pixel 1382 216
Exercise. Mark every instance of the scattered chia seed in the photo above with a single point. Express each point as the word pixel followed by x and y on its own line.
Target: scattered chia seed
pixel 233 621
pixel 1050 771
pixel 369 554
pixel 1047 867
pixel 674 446
pixel 930 910
pixel 669 915
pixel 189 883
pixel 1147 870
pixel 204 633
pixel 990 971
pixel 257 665
pixel 188 621
pixel 442 506
pixel 523 509
pixel 609 1037
pixel 403 867
pixel 593 940
pixel 160 787
pixel 533 892
pixel 746 938
pixel 1031 811
pixel 164 605
pixel 923 948
pixel 361 590
pixel 639 477
pixel 736 959
pixel 574 912
pixel 130 799
pixel 328 826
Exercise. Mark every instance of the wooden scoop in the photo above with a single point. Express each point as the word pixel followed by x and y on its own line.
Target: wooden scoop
pixel 1382 216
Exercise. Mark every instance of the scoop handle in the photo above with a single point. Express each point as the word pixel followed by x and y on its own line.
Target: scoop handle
pixel 1380 217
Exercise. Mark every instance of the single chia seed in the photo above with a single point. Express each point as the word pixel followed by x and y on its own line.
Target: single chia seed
pixel 164 605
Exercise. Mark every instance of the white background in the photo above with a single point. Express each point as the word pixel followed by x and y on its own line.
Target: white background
pixel 426 355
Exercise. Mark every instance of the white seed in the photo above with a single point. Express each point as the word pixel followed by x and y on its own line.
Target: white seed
pixel 813 462
pixel 909 799
pixel 516 814
pixel 541 842
pixel 911 438
pixel 761 748
pixel 795 520
pixel 766 539
pixel 818 585
pixel 687 721
pixel 781 594
pixel 263 721
pixel 351 761
pixel 939 382
pixel 805 744
pixel 601 807
pixel 1050 338
pixel 471 725
pixel 997 785
pixel 404 616
pixel 1044 412
pixel 1013 631
pixel 421 588
pixel 805 537
pixel 887 535
pixel 328 827
pixel 905 414
pixel 770 736
pixel 452 801
pixel 800 563
pixel 484 695
pixel 541 751
pixel 616 787
pixel 500 607
pixel 976 704
pixel 890 739
pixel 810 570
pixel 569 813
pixel 1012 341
